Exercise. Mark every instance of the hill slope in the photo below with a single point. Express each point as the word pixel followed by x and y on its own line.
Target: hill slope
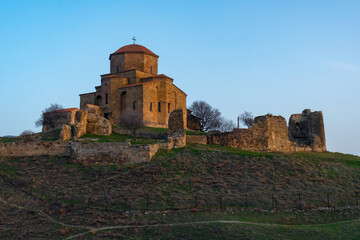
pixel 67 198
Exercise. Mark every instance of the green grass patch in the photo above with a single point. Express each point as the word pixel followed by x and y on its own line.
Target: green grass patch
pixel 144 141
pixel 6 169
pixel 50 135
pixel 114 137
pixel 234 150
pixel 348 159
pixel 154 130
pixel 9 139
pixel 192 132
pixel 101 138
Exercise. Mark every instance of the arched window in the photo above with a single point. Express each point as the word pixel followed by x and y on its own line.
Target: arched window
pixel 134 105
pixel 106 98
pixel 168 107
pixel 123 102
pixel 117 68
pixel 159 106
pixel 151 107
pixel 98 101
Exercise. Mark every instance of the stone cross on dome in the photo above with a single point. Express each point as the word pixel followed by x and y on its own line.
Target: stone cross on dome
pixel 134 39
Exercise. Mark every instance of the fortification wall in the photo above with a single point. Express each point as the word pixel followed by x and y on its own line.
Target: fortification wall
pixel 277 133
pixel 307 130
pixel 255 138
pixel 31 149
pixel 268 133
pixel 112 153
pixel 141 133
pixel 196 139
pixel 82 152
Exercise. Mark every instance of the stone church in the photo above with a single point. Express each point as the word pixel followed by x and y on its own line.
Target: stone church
pixel 134 87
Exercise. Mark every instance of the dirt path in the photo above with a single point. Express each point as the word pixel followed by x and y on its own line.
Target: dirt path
pixel 202 222
pixel 47 216
pixel 93 229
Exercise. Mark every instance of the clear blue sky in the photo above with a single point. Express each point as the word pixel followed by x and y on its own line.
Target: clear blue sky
pixel 267 56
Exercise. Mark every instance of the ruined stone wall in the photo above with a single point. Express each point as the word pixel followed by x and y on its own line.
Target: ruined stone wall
pixel 196 139
pixel 141 133
pixel 61 117
pixel 112 153
pixel 96 124
pixel 30 149
pixel 176 130
pixel 277 133
pixel 82 152
pixel 253 140
pixel 268 133
pixel 307 130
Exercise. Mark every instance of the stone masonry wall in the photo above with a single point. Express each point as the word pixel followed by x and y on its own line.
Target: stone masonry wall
pixel 196 139
pixel 307 130
pixel 82 152
pixel 268 133
pixel 113 153
pixel 277 133
pixel 176 130
pixel 30 149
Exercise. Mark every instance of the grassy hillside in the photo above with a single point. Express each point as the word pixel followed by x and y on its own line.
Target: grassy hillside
pixel 195 188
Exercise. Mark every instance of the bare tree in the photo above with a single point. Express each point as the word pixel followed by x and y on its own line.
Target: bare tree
pixel 27 136
pixel 247 118
pixel 49 119
pixel 210 118
pixel 132 122
pixel 226 125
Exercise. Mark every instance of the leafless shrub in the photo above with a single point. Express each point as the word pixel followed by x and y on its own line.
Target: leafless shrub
pixel 49 119
pixel 210 118
pixel 132 122
pixel 27 136
pixel 247 119
pixel 226 125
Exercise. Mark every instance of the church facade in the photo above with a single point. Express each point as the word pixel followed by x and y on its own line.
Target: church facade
pixel 134 87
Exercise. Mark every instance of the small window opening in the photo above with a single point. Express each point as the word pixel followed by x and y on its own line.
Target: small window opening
pixel 106 99
pixel 150 69
pixel 117 68
pixel 106 115
pixel 159 106
pixel 151 107
pixel 168 107
pixel 134 105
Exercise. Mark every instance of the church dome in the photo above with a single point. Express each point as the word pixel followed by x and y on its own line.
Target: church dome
pixel 134 48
